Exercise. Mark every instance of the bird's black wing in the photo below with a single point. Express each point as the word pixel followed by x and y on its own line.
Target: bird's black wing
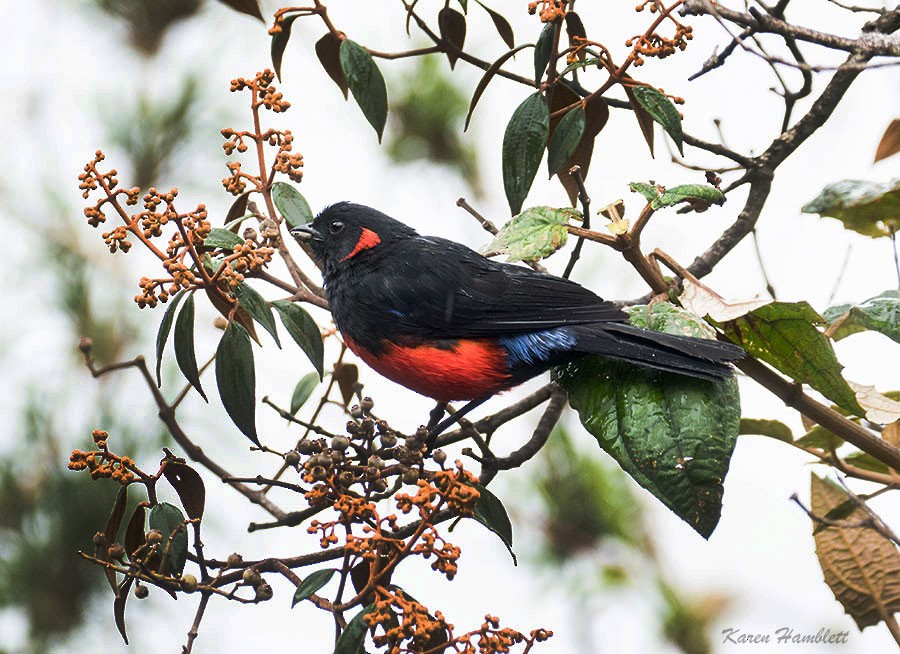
pixel 446 290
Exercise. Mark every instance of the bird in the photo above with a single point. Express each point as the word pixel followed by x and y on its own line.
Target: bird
pixel 446 322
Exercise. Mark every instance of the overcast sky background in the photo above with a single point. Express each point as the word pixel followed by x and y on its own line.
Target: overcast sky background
pixel 66 69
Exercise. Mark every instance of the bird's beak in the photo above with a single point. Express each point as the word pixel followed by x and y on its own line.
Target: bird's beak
pixel 306 233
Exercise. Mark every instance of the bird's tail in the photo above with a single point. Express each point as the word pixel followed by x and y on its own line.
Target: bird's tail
pixel 694 357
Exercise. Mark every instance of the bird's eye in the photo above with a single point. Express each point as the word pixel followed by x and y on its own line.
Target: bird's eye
pixel 336 226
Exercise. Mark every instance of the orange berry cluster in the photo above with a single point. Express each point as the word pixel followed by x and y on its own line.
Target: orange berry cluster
pixel 102 463
pixel 264 91
pixel 656 45
pixel 550 11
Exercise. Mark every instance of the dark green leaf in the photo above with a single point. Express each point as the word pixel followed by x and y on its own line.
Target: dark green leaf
pixel 821 438
pixel 880 313
pixel 291 204
pixel 236 378
pixel 249 7
pixel 452 26
pixel 258 308
pixel 663 111
pixel 351 639
pixel 866 461
pixel 119 606
pixel 534 234
pixel 699 196
pixel 168 518
pixel 581 63
pixel 222 238
pixel 305 332
pixel 187 483
pixel 328 50
pixel 490 512
pixel 864 207
pixel 542 51
pixel 303 390
pixel 487 77
pixel 311 584
pixel 523 147
pixel 134 532
pixel 785 335
pixel 184 345
pixel 366 84
pixel 165 326
pixel 771 428
pixel 649 191
pixel 503 27
pixel 565 139
pixel 280 41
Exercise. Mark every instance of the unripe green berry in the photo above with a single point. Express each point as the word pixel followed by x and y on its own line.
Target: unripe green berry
pixel 116 551
pixel 264 592
pixel 388 440
pixel 251 577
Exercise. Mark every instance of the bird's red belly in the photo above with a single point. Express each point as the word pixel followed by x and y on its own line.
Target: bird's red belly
pixel 458 370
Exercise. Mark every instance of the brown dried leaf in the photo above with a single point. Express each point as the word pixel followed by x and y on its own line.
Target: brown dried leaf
pixel 135 535
pixel 891 433
pixel 890 142
pixel 596 113
pixel 703 301
pixel 237 210
pixel 645 121
pixel 328 50
pixel 187 483
pixel 112 532
pixel 452 25
pixel 249 7
pixel 347 376
pixel 224 304
pixel 575 28
pixel 861 566
pixel 119 606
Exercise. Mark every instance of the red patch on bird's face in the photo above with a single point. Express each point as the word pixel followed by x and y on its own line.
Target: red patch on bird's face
pixel 367 239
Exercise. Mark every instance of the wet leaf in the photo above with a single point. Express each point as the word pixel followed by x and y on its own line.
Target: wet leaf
pixel 291 204
pixel 351 639
pixel 328 50
pixel 565 139
pixel 542 51
pixel 703 301
pixel 258 308
pixel 880 313
pixel 523 148
pixel 165 326
pixel 249 7
pixel 503 27
pixel 674 435
pixel 169 520
pixel 699 196
pixel 311 584
pixel 236 378
pixel 649 191
pixel 366 84
pixel 890 142
pixel 771 428
pixel 785 335
pixel 490 512
pixel 135 534
pixel 662 110
pixel 184 345
pixel 534 234
pixel 347 376
pixel 452 26
pixel 305 332
pixel 189 485
pixel 280 41
pixel 864 207
pixel 486 79
pixel 861 566
pixel 303 390
pixel 222 238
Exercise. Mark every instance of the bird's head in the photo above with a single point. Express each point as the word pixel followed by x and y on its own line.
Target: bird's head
pixel 347 231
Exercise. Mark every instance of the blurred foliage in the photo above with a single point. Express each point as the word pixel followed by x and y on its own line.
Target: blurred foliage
pixel 147 22
pixel 427 114
pixel 686 622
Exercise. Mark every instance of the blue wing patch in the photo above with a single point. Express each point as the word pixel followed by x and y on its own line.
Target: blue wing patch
pixel 537 347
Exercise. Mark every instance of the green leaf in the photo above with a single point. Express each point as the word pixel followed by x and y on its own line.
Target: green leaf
pixel 565 139
pixel 487 77
pixel 303 390
pixel 668 318
pixel 236 378
pixel 167 518
pixel 305 332
pixel 821 438
pixel 864 207
pixel 366 84
pixel 523 147
pixel 258 308
pixel 649 191
pixel 699 196
pixel 280 41
pixel 222 238
pixel 663 111
pixel 490 512
pixel 785 335
pixel 501 24
pixel 866 461
pixel 672 434
pixel 311 584
pixel 880 314
pixel 184 345
pixel 165 326
pixel 581 63
pixel 351 639
pixel 291 204
pixel 452 26
pixel 534 234
pixel 542 51
pixel 771 428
